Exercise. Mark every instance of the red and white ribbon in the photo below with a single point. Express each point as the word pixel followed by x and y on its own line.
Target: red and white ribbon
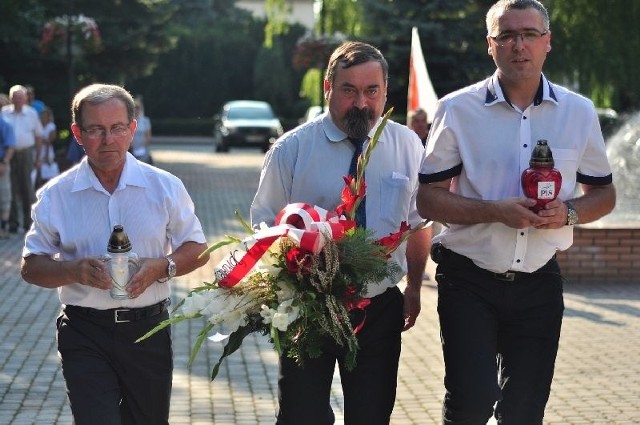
pixel 307 225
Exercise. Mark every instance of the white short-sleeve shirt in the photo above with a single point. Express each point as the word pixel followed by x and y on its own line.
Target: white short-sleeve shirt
pixel 73 218
pixel 484 143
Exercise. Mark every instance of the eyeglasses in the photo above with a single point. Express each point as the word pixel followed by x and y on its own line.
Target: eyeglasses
pixel 507 38
pixel 98 133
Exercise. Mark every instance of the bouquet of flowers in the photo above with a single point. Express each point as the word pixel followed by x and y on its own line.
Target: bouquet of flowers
pixel 83 30
pixel 296 281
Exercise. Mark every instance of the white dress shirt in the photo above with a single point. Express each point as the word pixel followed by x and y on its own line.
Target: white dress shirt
pixel 26 125
pixel 484 143
pixel 308 163
pixel 74 216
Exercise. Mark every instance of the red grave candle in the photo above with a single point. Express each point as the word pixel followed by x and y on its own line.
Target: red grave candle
pixel 541 181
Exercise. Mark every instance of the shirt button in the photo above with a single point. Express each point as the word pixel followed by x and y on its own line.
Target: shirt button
pixel 524 146
pixel 524 118
pixel 517 261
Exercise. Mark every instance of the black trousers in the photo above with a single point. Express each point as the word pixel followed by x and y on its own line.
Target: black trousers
pixel 499 340
pixel 369 389
pixel 110 379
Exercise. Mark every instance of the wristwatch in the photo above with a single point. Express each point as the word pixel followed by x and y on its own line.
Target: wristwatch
pixel 572 214
pixel 171 270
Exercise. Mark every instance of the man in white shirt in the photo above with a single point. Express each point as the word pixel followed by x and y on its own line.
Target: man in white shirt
pixel 26 157
pixel 499 284
pixel 109 378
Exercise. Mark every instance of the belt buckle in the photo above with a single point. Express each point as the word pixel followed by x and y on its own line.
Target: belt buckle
pixel 508 276
pixel 117 319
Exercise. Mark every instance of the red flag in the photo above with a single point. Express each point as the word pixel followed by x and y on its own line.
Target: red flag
pixel 421 93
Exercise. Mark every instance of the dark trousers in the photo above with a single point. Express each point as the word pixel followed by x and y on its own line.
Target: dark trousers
pixel 369 389
pixel 110 379
pixel 499 339
pixel 21 188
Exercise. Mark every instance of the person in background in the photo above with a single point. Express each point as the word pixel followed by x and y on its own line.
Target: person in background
pixel 26 158
pixel 110 379
pixel 418 122
pixel 48 166
pixel 500 289
pixel 36 104
pixel 142 138
pixel 307 165
pixel 7 143
pixel 4 100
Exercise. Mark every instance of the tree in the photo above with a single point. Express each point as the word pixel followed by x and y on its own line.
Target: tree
pixel 133 35
pixel 452 34
pixel 594 50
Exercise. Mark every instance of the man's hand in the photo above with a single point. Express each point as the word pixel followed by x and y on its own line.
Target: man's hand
pixel 555 214
pixel 411 306
pixel 91 271
pixel 151 270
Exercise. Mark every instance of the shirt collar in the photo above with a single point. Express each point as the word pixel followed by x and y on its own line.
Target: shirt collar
pixel 495 94
pixel 132 175
pixel 334 134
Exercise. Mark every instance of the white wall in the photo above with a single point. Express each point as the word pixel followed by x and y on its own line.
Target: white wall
pixel 301 11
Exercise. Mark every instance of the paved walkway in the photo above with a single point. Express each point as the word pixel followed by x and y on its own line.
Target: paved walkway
pixel 597 376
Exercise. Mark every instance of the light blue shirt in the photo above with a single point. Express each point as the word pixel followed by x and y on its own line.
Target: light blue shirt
pixel 74 216
pixel 7 136
pixel 308 163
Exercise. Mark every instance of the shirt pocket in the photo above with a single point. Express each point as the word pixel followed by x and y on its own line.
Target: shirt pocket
pixel 566 161
pixel 395 197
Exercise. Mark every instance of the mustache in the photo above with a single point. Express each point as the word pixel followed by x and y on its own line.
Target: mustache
pixel 357 122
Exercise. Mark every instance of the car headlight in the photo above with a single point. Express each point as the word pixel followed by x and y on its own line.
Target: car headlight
pixel 225 130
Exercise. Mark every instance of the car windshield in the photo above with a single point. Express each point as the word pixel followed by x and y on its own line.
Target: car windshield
pixel 249 113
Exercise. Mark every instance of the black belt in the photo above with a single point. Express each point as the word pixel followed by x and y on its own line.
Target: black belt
pixel 121 315
pixel 439 253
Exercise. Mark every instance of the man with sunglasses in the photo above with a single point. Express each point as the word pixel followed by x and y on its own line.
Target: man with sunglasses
pixel 500 300
pixel 110 378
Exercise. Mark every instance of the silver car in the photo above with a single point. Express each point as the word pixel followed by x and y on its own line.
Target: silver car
pixel 246 123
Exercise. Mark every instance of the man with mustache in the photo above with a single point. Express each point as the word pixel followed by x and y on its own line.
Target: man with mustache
pixel 307 165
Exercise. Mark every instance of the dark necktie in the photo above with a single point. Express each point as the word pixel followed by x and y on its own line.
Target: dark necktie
pixel 361 218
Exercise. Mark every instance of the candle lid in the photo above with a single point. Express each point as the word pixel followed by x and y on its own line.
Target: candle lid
pixel 118 242
pixel 541 155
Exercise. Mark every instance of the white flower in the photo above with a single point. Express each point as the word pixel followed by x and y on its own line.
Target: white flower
pixel 233 320
pixel 194 304
pixel 267 314
pixel 287 291
pixel 286 314
pixel 281 321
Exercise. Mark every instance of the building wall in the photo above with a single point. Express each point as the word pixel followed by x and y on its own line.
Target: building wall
pixel 301 11
pixel 602 255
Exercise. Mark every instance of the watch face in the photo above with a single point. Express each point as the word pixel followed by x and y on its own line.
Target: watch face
pixel 171 269
pixel 572 217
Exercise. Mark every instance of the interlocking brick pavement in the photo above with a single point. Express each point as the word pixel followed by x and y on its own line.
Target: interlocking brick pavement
pixel 597 378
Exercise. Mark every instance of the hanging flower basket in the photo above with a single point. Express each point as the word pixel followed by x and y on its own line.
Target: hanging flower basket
pixel 84 32
pixel 313 52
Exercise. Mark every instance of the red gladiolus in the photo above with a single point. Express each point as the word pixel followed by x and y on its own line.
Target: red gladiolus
pixel 393 241
pixel 299 260
pixel 352 194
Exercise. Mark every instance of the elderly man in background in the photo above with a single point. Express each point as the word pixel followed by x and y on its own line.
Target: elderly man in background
pixel 28 131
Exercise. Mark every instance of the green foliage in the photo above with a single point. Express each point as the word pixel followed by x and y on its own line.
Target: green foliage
pixel 187 57
pixel 593 50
